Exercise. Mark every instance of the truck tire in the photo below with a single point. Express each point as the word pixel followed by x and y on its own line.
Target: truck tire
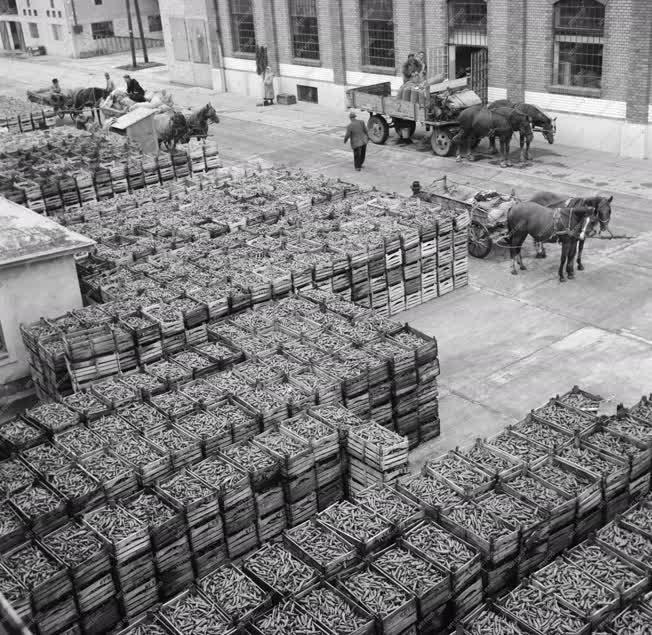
pixel 442 142
pixel 378 129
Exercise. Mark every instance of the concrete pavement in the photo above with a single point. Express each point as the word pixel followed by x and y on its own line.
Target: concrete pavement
pixel 507 343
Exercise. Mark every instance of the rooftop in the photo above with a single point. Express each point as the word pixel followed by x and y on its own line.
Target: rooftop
pixel 27 236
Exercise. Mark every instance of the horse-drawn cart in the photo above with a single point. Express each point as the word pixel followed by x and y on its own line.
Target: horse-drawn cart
pixel 70 102
pixel 435 106
pixel 487 210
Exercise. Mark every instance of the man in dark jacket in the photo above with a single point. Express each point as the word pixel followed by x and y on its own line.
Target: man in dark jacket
pixel 134 89
pixel 357 132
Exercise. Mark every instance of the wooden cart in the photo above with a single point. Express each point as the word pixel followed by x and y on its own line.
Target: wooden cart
pixel 483 233
pixel 428 109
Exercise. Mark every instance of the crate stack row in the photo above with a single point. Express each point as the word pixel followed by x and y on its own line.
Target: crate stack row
pixel 67 194
pixel 414 572
pixel 541 485
pixel 599 586
pixel 35 119
pixel 325 350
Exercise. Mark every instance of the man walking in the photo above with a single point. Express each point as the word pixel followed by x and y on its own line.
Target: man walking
pixel 357 132
pixel 110 85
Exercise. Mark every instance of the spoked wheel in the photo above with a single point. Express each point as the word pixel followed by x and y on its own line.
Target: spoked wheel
pixel 480 242
pixel 378 129
pixel 60 114
pixel 442 143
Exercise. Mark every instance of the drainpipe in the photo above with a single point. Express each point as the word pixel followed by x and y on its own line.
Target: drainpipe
pixel 220 49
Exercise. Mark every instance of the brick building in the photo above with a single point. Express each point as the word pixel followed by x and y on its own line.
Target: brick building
pixel 75 28
pixel 586 61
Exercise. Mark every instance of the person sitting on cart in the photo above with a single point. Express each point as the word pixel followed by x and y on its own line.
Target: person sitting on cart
pixel 410 67
pixel 134 89
pixel 55 88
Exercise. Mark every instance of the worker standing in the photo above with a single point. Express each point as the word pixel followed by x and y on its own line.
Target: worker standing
pixel 110 84
pixel 357 132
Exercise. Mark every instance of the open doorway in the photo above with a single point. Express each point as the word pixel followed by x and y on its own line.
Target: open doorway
pixel 461 60
pixel 16 30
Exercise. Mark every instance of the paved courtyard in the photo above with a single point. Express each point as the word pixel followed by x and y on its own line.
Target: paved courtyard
pixel 507 343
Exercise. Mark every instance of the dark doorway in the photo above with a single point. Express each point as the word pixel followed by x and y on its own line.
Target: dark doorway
pixel 463 59
pixel 16 29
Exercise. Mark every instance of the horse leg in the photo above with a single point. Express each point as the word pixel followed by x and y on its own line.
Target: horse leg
pixel 504 151
pixel 492 144
pixel 523 156
pixel 528 141
pixel 580 249
pixel 515 243
pixel 570 265
pixel 541 252
pixel 562 261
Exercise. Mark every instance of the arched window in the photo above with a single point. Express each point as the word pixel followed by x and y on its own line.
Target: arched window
pixel 467 22
pixel 579 39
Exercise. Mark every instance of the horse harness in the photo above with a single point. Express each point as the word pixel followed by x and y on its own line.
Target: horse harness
pixel 559 227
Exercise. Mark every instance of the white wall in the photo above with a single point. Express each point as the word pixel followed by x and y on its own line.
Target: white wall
pixel 28 292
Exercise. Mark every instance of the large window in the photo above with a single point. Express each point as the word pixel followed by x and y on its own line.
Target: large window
pixel 305 35
pixel 467 22
pixel 579 34
pixel 56 31
pixel 33 30
pixel 102 29
pixel 377 33
pixel 242 23
pixel 154 23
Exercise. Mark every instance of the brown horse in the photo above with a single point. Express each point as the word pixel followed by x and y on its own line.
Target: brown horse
pixel 477 122
pixel 566 225
pixel 540 121
pixel 602 205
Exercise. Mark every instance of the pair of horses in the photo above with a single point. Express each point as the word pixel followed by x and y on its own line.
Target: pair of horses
pixel 547 219
pixel 501 119
pixel 174 127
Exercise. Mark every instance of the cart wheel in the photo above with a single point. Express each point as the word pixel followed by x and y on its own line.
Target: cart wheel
pixel 60 114
pixel 73 115
pixel 479 240
pixel 378 129
pixel 442 143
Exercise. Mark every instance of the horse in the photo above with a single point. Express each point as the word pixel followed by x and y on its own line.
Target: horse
pixel 547 125
pixel 198 121
pixel 88 97
pixel 477 122
pixel 565 224
pixel 603 216
pixel 173 127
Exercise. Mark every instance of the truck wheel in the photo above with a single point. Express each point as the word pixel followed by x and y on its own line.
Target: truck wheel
pixel 378 129
pixel 442 143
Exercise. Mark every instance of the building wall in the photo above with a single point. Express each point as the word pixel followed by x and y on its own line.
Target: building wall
pixel 27 292
pixel 520 46
pixel 44 13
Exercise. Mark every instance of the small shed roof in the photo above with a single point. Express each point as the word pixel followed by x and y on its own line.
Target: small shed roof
pixel 27 236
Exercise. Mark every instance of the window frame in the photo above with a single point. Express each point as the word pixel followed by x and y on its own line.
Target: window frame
pixel 369 61
pixel 149 23
pixel 57 29
pixel 593 37
pixel 295 17
pixel 33 28
pixel 235 32
pixel 95 36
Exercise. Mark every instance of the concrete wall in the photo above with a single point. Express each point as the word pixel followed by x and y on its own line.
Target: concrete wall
pixel 28 292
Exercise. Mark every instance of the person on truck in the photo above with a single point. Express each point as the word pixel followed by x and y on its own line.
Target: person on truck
pixel 410 67
pixel 134 89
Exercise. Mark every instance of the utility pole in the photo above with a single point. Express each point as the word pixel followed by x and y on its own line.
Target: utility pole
pixel 140 29
pixel 131 35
